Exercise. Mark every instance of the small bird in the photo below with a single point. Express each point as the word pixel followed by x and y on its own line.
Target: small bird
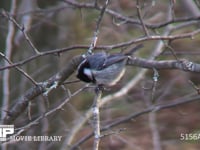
pixel 104 69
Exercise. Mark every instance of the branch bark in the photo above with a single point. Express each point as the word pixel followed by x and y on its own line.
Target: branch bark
pixel 41 88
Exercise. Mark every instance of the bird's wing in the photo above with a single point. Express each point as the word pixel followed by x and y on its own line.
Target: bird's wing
pixel 97 60
pixel 113 59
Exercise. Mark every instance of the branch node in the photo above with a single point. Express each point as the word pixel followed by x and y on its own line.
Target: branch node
pixel 155 75
pixel 187 65
pixel 49 89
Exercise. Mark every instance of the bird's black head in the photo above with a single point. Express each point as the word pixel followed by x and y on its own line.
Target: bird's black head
pixel 81 75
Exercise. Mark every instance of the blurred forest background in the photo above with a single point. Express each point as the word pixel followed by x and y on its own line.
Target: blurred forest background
pixel 62 29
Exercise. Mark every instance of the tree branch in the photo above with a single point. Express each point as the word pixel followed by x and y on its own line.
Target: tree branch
pixel 135 115
pixel 108 47
pixel 183 64
pixel 43 87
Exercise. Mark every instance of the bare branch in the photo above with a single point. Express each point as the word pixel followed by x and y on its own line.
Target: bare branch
pixel 23 30
pixel 6 74
pixel 191 8
pixel 141 19
pixel 134 115
pixel 129 19
pixel 95 37
pixel 19 69
pixel 96 119
pixel 46 114
pixel 109 47
pixel 64 26
pixel 183 64
pixel 41 88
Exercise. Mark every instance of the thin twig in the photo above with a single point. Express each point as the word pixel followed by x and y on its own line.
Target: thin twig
pixel 126 19
pixel 25 20
pixel 155 82
pixel 134 115
pixel 6 74
pixel 172 7
pixel 109 47
pixel 141 19
pixel 154 130
pixel 46 114
pixel 22 29
pixel 194 86
pixel 95 37
pixel 20 70
pixel 96 118
pixel 172 51
pixel 9 48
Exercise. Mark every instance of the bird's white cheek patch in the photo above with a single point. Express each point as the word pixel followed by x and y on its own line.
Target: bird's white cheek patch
pixel 88 72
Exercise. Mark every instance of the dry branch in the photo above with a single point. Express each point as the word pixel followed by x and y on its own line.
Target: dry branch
pixel 41 88
pixel 61 76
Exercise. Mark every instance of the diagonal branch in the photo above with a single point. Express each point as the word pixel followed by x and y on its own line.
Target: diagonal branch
pixel 61 76
pixel 135 115
pixel 131 20
pixel 94 40
pixel 41 88
pixel 108 47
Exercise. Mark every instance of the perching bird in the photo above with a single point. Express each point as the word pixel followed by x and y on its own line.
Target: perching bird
pixel 104 69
